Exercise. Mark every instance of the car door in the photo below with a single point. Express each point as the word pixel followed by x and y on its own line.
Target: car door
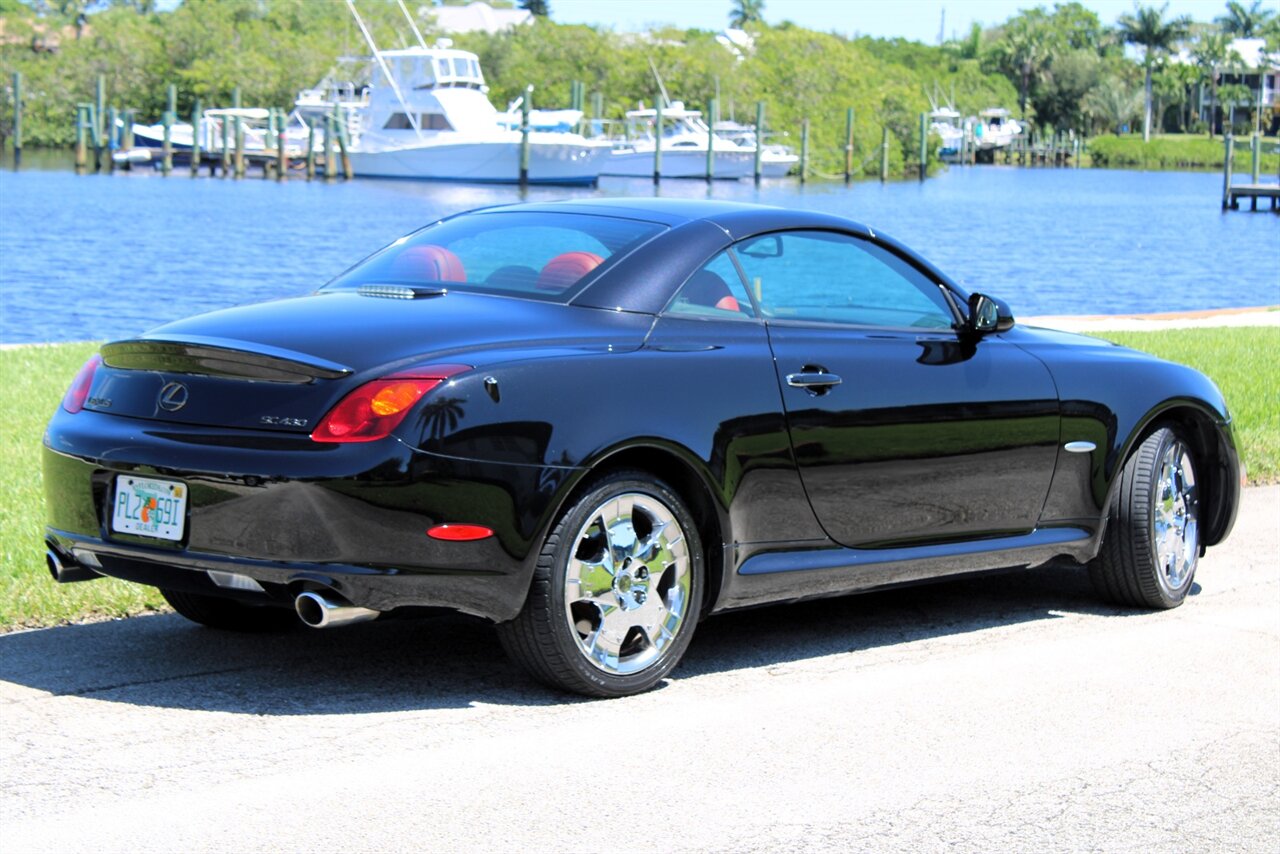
pixel 903 432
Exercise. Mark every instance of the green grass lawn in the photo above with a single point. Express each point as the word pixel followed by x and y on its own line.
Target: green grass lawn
pixel 1242 361
pixel 32 380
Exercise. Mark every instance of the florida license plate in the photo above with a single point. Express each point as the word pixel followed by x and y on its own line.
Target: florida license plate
pixel 149 508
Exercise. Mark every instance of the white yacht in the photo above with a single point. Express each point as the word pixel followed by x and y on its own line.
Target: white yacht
pixel 427 116
pixel 776 160
pixel 945 122
pixel 684 147
pixel 995 129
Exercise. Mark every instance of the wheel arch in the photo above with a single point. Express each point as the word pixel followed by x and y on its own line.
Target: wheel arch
pixel 1212 442
pixel 688 476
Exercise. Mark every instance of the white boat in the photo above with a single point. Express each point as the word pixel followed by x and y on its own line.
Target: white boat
pixel 684 147
pixel 995 129
pixel 775 160
pixel 427 116
pixel 946 123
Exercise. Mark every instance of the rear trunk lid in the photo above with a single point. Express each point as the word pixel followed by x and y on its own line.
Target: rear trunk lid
pixel 282 365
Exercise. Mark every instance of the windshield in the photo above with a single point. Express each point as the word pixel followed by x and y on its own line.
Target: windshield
pixel 549 256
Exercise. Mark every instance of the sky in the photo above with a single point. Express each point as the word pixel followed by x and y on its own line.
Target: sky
pixel 918 20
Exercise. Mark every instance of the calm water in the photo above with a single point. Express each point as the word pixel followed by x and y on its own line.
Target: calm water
pixel 100 257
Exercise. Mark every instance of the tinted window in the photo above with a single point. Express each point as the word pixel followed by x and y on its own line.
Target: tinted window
pixel 540 255
pixel 837 278
pixel 716 290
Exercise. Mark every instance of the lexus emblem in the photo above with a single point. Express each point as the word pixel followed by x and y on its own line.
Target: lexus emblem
pixel 173 397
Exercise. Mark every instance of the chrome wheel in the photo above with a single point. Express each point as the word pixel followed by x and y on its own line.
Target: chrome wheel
pixel 627 583
pixel 1175 530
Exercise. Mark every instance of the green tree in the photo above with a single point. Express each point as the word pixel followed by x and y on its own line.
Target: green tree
pixel 1246 22
pixel 746 12
pixel 538 7
pixel 1148 28
pixel 1114 104
pixel 1025 52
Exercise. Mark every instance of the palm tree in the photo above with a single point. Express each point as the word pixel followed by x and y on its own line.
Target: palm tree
pixel 746 12
pixel 1025 50
pixel 1114 103
pixel 1148 28
pixel 1245 23
pixel 539 8
pixel 1214 55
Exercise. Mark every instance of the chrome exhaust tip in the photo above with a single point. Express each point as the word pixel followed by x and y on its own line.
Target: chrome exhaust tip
pixel 321 612
pixel 65 572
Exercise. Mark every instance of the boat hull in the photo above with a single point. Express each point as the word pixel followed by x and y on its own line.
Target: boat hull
pixel 483 162
pixel 680 164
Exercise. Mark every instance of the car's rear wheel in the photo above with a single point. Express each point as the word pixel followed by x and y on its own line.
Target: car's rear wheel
pixel 1152 544
pixel 219 613
pixel 616 593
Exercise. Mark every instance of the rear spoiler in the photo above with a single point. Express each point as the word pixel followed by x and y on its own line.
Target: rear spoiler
pixel 219 357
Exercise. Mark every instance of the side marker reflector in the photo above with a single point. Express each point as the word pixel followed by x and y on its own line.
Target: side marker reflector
pixel 459 533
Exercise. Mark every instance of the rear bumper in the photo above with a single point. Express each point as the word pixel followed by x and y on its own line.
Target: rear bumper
pixel 294 515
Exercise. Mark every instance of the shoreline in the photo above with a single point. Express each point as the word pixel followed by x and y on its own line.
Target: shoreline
pixel 1262 315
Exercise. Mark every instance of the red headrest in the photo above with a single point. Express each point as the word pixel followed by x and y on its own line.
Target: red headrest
pixel 565 269
pixel 429 263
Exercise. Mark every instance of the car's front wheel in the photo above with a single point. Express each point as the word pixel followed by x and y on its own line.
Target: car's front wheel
pixel 616 593
pixel 1152 543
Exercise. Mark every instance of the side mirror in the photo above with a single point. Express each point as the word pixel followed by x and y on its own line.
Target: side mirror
pixel 987 315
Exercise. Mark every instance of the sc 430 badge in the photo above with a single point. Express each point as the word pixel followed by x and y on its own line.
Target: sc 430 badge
pixel 282 421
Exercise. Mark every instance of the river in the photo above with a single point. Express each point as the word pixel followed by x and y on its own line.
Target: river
pixel 107 256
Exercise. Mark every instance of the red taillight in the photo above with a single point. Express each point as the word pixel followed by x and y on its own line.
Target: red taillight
pixel 459 533
pixel 73 400
pixel 376 408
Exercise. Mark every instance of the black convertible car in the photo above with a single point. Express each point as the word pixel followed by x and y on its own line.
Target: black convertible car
pixel 594 423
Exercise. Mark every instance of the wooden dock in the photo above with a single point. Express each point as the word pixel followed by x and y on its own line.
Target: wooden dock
pixel 1253 192
pixel 1232 192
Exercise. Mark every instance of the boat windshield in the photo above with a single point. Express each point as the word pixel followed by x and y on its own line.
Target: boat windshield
pixel 545 256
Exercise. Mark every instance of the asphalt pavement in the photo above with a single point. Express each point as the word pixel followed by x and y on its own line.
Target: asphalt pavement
pixel 1009 712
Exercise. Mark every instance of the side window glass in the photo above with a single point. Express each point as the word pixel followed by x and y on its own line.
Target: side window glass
pixel 836 278
pixel 716 290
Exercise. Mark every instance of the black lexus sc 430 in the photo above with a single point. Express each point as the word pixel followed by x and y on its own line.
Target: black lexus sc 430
pixel 594 423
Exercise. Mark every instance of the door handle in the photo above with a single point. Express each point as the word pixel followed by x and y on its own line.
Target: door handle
pixel 814 382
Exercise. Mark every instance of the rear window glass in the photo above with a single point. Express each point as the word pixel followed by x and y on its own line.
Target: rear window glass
pixel 549 256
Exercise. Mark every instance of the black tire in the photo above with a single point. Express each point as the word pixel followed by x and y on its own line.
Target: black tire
pixel 1131 568
pixel 551 635
pixel 217 612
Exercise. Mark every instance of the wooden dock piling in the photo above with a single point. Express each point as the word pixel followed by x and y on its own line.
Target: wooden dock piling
pixel 848 145
pixel 711 141
pixel 525 107
pixel 282 166
pixel 99 116
pixel 804 149
pixel 226 147
pixel 343 143
pixel 1228 149
pixel 657 139
pixel 196 115
pixel 170 114
pixel 759 168
pixel 113 140
pixel 81 152
pixel 17 119
pixel 884 154
pixel 329 172
pixel 239 147
pixel 311 150
pixel 924 145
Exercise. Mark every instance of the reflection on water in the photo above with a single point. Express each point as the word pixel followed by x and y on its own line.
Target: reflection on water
pixel 103 256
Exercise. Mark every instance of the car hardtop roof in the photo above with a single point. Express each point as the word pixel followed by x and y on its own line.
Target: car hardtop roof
pixel 739 219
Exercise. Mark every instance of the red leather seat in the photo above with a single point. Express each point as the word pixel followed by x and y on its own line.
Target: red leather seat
pixel 565 269
pixel 428 263
pixel 707 288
